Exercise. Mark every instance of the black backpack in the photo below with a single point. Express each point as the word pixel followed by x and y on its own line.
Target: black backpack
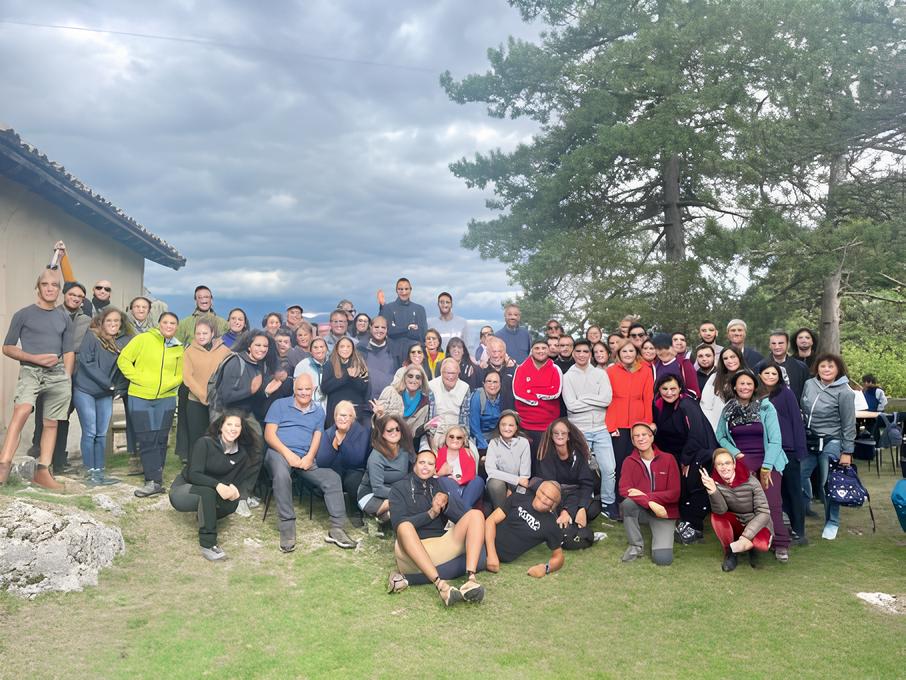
pixel 215 399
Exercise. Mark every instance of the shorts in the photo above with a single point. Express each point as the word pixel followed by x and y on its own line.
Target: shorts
pixel 51 383
pixel 440 549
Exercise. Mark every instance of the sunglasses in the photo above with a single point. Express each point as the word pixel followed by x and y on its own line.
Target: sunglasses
pixel 456 437
pixel 106 288
pixel 414 375
pixel 485 334
pixel 416 351
pixel 391 430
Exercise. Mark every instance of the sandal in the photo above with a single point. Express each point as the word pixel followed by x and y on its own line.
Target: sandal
pixel 471 590
pixel 451 595
pixel 397 583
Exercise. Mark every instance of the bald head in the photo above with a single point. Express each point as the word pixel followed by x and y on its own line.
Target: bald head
pixel 303 387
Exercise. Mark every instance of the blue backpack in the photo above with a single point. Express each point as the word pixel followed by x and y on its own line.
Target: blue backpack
pixel 845 487
pixel 898 498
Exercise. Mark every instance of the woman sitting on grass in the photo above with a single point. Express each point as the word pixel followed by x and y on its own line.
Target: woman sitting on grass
pixel 740 513
pixel 218 466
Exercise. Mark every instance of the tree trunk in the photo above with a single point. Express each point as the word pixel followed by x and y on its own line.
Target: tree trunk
pixel 673 221
pixel 829 338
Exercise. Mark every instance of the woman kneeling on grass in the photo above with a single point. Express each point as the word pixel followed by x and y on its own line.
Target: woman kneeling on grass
pixel 740 513
pixel 426 551
pixel 209 484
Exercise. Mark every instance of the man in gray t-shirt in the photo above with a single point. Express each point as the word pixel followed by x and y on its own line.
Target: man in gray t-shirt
pixel 40 338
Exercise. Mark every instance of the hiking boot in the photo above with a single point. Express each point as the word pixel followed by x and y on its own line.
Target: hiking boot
pixel 151 488
pixel 288 536
pixel 633 552
pixel 242 509
pixel 397 583
pixel 472 591
pixel 42 477
pixel 135 466
pixel 338 536
pixel 730 560
pixel 213 554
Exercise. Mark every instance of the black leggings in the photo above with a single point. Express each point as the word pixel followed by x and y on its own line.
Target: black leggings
pixel 206 502
pixel 622 448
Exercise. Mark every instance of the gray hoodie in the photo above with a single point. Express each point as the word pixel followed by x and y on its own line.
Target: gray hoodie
pixel 830 411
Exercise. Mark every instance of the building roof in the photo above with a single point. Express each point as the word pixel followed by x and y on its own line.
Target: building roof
pixel 21 162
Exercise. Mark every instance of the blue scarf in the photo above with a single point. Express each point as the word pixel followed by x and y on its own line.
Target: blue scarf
pixel 410 404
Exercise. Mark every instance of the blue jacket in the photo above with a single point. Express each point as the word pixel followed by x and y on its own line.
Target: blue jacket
pixel 479 422
pixel 774 457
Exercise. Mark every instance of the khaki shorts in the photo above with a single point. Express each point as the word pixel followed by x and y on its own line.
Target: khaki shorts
pixel 52 383
pixel 440 549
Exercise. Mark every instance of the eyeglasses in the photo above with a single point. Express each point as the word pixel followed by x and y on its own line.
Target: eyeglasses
pixel 391 430
pixel 636 335
pixel 456 437
pixel 105 288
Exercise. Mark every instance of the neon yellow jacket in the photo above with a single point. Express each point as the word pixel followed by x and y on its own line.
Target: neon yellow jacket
pixel 152 367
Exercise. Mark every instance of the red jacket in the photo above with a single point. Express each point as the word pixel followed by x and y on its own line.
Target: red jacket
pixel 466 462
pixel 632 396
pixel 540 387
pixel 662 486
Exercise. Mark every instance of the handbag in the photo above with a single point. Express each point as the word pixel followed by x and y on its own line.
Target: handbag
pixel 845 488
pixel 892 434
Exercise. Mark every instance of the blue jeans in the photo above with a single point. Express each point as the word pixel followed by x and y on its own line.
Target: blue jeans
pixel 470 492
pixel 602 449
pixel 821 460
pixel 94 419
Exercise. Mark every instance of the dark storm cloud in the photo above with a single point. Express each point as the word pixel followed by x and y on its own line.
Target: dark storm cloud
pixel 279 176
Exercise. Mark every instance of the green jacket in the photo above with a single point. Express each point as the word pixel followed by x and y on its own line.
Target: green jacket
pixel 152 367
pixel 185 331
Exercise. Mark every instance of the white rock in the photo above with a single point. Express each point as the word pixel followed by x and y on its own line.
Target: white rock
pixel 45 550
pixel 883 601
pixel 105 502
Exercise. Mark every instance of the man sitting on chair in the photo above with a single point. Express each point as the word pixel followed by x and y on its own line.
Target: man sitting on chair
pixel 293 429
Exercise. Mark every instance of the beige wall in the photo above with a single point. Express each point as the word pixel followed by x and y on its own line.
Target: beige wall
pixel 29 226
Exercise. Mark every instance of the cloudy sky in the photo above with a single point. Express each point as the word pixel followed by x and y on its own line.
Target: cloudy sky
pixel 294 152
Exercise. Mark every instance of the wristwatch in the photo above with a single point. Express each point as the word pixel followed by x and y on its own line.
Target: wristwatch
pixel 547 568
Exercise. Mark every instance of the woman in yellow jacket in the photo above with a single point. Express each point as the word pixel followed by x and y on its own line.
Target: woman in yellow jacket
pixel 152 363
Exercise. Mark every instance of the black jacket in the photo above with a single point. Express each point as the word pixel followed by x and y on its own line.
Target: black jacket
pixel 410 500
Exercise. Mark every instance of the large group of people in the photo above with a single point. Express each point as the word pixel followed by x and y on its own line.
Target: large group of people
pixel 471 456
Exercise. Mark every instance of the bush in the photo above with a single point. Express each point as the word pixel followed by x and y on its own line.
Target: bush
pixel 885 357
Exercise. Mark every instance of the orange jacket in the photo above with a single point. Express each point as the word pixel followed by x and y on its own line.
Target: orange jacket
pixel 632 396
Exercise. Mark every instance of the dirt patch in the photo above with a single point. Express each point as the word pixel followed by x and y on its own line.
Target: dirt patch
pixel 891 604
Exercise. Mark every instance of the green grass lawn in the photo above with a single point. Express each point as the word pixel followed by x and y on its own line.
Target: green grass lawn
pixel 164 612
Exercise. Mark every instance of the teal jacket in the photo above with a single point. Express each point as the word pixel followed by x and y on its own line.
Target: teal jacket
pixel 774 457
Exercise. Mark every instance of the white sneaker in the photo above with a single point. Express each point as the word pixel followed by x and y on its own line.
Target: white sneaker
pixel 830 532
pixel 253 502
pixel 243 509
pixel 599 536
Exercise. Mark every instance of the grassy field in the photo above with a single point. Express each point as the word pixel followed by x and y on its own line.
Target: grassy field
pixel 164 612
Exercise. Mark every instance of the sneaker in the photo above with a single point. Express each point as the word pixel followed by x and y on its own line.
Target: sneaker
pixel 356 520
pixel 810 513
pixel 213 554
pixel 598 536
pixel 782 555
pixel 633 552
pixel 338 537
pixel 730 560
pixel 830 532
pixel 253 502
pixel 242 509
pixel 690 535
pixel 151 488
pixel 397 583
pixel 800 540
pixel 100 479
pixel 612 512
pixel 472 591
